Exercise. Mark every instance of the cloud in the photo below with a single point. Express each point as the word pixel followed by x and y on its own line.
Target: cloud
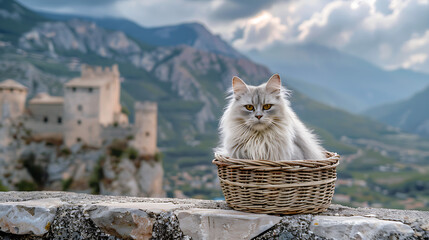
pixel 417 43
pixel 228 10
pixel 260 31
pixel 75 3
pixel 147 13
pixel 415 51
pixel 382 6
pixel 333 26
pixel 415 60
pixel 391 34
pixel 94 8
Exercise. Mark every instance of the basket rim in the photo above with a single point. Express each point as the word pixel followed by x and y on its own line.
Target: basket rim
pixel 331 161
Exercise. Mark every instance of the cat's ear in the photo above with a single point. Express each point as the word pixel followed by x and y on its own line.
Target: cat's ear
pixel 274 84
pixel 238 86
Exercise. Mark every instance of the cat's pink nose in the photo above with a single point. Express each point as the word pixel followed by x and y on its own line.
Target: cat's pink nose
pixel 258 116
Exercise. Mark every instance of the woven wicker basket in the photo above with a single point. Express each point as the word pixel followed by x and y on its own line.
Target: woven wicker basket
pixel 282 187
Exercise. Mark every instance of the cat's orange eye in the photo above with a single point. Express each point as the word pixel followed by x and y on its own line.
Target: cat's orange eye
pixel 267 106
pixel 249 107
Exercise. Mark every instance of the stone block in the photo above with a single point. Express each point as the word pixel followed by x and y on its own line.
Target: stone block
pixel 425 226
pixel 152 207
pixel 128 220
pixel 223 224
pixel 123 222
pixel 28 217
pixel 358 227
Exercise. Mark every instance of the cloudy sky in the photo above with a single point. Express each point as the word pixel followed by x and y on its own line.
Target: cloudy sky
pixel 389 33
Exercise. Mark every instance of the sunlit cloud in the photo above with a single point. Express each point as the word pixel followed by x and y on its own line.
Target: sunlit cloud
pixel 417 43
pixel 415 59
pixel 261 31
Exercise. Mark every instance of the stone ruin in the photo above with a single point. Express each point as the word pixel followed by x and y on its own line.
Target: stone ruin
pixel 81 142
pixel 90 111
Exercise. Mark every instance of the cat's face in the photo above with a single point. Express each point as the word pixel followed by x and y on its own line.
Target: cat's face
pixel 257 107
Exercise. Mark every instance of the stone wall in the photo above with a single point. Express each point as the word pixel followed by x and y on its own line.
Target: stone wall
pixel 60 215
pixel 111 132
pixel 39 129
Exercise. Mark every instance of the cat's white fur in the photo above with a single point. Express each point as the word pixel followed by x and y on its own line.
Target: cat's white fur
pixel 277 135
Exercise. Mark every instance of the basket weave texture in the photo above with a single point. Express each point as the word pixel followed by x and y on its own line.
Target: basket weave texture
pixel 280 187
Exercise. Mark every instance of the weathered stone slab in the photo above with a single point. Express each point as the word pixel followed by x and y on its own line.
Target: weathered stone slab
pixel 28 217
pixel 425 226
pixel 124 223
pixel 356 227
pixel 128 220
pixel 223 224
pixel 153 207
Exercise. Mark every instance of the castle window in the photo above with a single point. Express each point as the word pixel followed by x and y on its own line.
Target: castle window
pixel 74 89
pixel 79 107
pixel 11 90
pixel 90 89
pixel 147 134
pixel 79 122
pixel 45 119
pixel 78 139
pixel 60 120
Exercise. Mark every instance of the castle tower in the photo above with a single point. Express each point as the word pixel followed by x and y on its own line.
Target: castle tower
pixel 146 114
pixel 90 102
pixel 12 99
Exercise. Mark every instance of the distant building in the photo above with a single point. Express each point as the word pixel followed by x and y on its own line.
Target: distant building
pixel 46 116
pixel 90 102
pixel 146 125
pixel 90 111
pixel 12 99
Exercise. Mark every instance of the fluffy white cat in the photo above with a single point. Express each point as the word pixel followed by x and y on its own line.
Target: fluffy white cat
pixel 258 123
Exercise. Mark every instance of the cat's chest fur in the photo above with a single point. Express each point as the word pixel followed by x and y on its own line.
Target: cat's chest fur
pixel 268 144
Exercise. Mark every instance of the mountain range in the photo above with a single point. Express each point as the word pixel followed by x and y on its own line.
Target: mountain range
pixel 325 74
pixel 337 78
pixel 410 115
pixel 192 34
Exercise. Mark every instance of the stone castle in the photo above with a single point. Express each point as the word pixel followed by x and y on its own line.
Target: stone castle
pixel 89 113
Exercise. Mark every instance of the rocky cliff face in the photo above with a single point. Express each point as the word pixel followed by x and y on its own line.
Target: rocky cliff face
pixel 29 164
pixel 194 35
pixel 79 36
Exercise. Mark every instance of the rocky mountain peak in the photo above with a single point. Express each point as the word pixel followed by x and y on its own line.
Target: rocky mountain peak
pixel 77 35
pixel 197 36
